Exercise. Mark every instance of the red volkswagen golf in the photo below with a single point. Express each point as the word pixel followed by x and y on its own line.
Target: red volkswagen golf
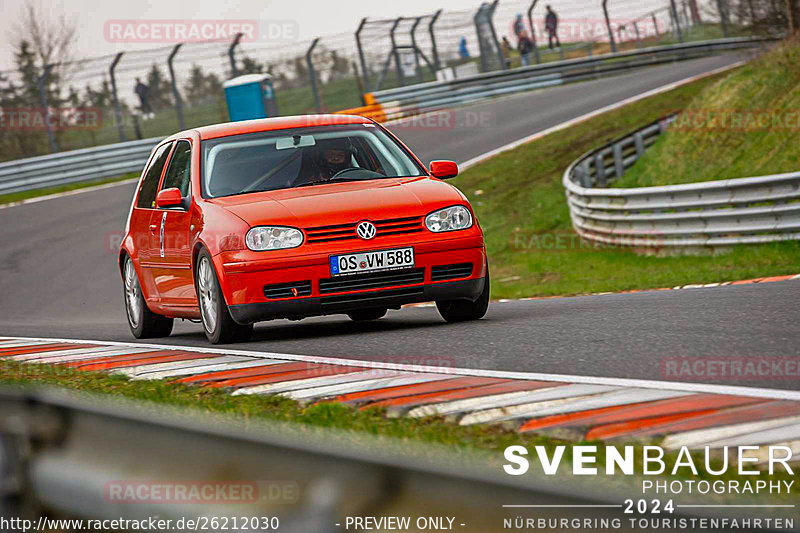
pixel 295 217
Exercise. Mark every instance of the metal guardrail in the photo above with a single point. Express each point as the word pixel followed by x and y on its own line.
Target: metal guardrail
pixel 712 213
pixel 64 454
pixel 86 164
pixel 423 97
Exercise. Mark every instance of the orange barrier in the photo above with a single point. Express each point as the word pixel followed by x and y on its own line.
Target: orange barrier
pixel 372 110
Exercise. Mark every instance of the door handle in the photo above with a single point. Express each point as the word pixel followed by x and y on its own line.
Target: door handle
pixel 153 227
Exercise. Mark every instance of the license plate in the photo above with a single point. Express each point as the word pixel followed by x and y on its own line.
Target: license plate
pixel 372 261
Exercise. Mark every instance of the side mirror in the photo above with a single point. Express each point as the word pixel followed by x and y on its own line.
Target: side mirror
pixel 444 169
pixel 169 198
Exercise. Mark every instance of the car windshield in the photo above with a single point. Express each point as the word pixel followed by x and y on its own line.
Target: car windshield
pixel 300 157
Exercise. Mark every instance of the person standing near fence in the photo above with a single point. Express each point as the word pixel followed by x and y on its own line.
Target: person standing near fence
pixel 551 26
pixel 143 92
pixel 525 46
pixel 506 51
pixel 519 24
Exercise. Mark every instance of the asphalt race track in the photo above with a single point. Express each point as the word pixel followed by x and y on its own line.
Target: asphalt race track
pixel 58 278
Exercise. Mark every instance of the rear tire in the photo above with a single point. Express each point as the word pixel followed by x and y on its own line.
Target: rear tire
pixel 218 324
pixel 363 315
pixel 463 310
pixel 144 323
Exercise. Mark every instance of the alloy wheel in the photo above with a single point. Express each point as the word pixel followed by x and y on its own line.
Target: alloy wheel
pixel 207 289
pixel 133 303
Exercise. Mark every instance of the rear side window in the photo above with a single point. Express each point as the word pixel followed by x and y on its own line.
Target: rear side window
pixel 179 171
pixel 147 192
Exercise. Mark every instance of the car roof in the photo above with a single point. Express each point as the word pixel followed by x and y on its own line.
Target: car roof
pixel 226 129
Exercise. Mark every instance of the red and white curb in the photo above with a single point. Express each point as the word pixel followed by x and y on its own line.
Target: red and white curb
pixel 580 407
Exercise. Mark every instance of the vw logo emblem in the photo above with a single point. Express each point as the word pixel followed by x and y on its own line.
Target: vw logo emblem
pixel 366 230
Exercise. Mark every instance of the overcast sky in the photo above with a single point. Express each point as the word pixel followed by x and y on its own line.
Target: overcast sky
pixel 310 18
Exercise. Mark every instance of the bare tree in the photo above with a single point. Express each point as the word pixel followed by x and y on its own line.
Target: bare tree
pixel 51 36
pixel 770 17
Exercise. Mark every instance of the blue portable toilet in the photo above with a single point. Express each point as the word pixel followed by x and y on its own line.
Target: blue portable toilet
pixel 250 96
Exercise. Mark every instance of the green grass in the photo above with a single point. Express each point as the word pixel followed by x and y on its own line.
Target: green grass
pixel 718 135
pixel 520 202
pixel 25 195
pixel 372 421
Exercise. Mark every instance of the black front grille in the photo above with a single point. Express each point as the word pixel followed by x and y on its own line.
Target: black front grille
pixel 344 232
pixel 284 290
pixel 379 280
pixel 461 270
pixel 409 294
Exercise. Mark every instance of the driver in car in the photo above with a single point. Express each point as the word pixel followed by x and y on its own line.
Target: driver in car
pixel 335 158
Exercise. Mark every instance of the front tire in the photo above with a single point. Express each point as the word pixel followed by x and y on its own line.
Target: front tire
pixel 219 326
pixel 363 315
pixel 463 310
pixel 144 323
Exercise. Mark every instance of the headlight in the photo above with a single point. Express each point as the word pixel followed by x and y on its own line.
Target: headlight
pixel 449 219
pixel 264 238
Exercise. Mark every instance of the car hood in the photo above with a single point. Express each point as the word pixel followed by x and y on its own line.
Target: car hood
pixel 343 203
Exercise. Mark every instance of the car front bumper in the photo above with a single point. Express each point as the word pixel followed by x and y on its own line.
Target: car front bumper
pixel 335 304
pixel 246 278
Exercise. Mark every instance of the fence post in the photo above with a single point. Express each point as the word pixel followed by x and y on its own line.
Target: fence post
pixel 41 84
pixel 500 56
pixel 117 111
pixel 608 25
pixel 533 31
pixel 382 73
pixel 434 49
pixel 397 66
pixel 481 46
pixel 638 141
pixel 674 11
pixel 232 55
pixel 361 58
pixel 416 50
pixel 619 165
pixel 638 36
pixel 722 7
pixel 487 36
pixel 312 75
pixel 137 128
pixel 655 24
pixel 687 22
pixel 600 169
pixel 359 83
pixel 175 93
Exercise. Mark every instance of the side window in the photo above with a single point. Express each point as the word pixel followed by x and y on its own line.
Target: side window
pixel 147 192
pixel 179 171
